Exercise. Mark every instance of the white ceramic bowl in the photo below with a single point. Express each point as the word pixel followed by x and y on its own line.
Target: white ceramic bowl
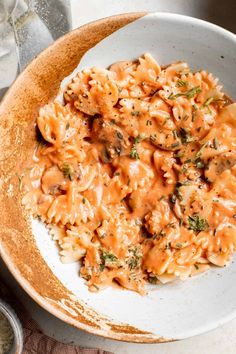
pixel 180 309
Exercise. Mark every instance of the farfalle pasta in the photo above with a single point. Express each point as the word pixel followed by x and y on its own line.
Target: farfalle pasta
pixel 135 173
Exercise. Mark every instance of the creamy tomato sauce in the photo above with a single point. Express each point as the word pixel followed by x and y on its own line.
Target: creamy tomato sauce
pixel 135 173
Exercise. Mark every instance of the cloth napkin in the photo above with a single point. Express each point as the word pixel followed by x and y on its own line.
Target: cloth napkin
pixel 35 341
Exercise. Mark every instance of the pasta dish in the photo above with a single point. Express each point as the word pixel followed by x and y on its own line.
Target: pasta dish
pixel 134 173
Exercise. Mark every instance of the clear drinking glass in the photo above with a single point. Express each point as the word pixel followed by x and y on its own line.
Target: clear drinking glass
pixel 8 53
pixel 26 28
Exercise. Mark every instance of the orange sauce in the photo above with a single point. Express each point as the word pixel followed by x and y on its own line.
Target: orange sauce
pixel 136 173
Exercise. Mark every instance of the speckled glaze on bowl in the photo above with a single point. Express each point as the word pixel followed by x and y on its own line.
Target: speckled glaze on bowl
pixel 169 312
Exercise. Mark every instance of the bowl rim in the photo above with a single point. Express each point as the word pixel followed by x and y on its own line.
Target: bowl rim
pixel 24 283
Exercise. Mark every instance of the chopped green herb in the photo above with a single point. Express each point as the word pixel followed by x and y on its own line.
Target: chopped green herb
pixel 134 260
pixel 119 135
pixel 134 153
pixel 212 100
pixel 181 83
pixel 166 120
pixel 196 223
pixel 208 101
pixel 67 126
pixel 199 163
pixel 215 143
pixel 188 94
pixel 185 136
pixel 175 133
pixel 67 171
pixel 198 154
pixel 196 266
pixel 83 200
pixel 175 145
pixel 185 117
pixel 101 267
pixel 173 97
pixel 179 154
pixel 139 138
pixel 108 259
pixel 192 92
pixel 135 113
pixel 188 161
pixel 178 245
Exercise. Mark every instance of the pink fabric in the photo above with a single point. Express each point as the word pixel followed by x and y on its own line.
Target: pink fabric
pixel 36 342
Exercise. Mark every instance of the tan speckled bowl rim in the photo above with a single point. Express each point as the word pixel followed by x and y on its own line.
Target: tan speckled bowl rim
pixel 17 244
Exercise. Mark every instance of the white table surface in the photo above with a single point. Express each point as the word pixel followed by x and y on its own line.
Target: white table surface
pixel 218 341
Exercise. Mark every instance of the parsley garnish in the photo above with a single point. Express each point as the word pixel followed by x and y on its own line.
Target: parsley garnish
pixel 196 223
pixel 134 261
pixel 181 83
pixel 178 245
pixel 188 94
pixel 135 113
pixel 67 171
pixel 212 100
pixel 194 91
pixel 185 136
pixel 174 145
pixel 175 133
pixel 208 101
pixel 119 135
pixel 107 259
pixel 215 143
pixel 134 153
pixel 198 154
pixel 139 138
pixel 199 163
